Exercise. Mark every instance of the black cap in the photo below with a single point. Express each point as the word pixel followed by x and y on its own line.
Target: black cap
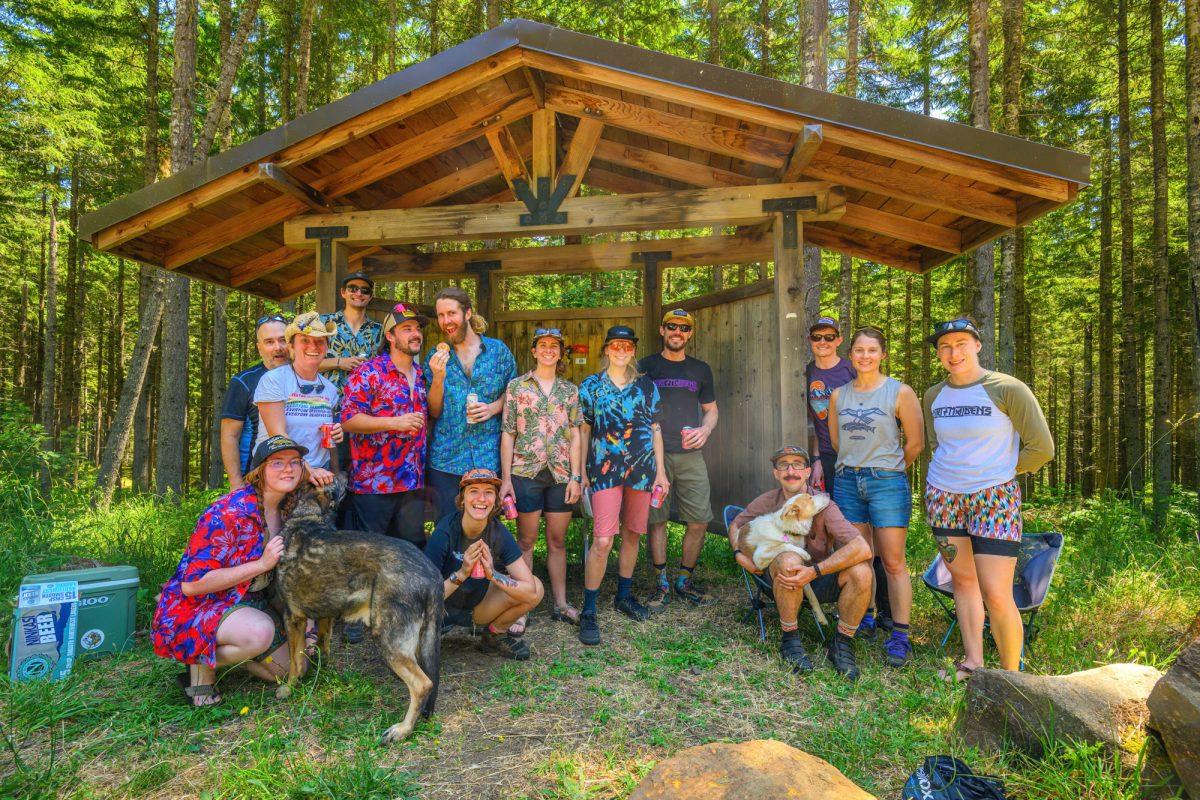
pixel 358 276
pixel 956 325
pixel 272 445
pixel 620 332
pixel 824 322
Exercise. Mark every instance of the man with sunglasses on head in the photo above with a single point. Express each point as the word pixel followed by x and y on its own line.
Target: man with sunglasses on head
pixel 239 415
pixel 689 415
pixel 827 371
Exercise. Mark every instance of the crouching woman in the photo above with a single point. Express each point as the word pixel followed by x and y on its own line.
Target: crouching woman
pixel 214 611
pixel 472 536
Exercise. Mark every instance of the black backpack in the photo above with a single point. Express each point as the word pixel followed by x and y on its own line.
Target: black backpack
pixel 947 778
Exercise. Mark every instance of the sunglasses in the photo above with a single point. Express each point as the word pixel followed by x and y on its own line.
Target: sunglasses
pixel 675 326
pixel 354 288
pixel 540 332
pixel 271 318
pixel 823 337
pixel 621 347
pixel 959 324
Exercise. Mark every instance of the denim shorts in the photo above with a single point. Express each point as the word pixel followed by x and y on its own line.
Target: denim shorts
pixel 880 497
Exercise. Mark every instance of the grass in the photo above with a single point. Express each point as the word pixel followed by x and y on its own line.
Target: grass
pixel 573 722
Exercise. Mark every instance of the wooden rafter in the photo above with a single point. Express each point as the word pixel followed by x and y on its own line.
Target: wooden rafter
pixel 286 183
pixel 455 182
pixel 834 240
pixel 742 205
pixel 906 229
pixel 234 229
pixel 808 142
pixel 580 152
pixel 667 166
pixel 507 155
pixel 265 264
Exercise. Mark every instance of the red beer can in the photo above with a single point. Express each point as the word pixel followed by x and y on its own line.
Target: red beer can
pixel 656 496
pixel 510 506
pixel 477 570
pixel 327 435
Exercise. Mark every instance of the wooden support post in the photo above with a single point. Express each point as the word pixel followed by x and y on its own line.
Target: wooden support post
pixel 484 289
pixel 332 258
pixel 652 293
pixel 545 145
pixel 787 237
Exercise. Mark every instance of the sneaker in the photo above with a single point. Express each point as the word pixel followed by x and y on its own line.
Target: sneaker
pixel 353 632
pixel 841 656
pixel 884 623
pixel 661 597
pixel 791 650
pixel 505 644
pixel 630 607
pixel 589 629
pixel 866 628
pixel 692 592
pixel 898 649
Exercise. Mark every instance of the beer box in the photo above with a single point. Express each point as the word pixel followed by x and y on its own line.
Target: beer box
pixel 107 607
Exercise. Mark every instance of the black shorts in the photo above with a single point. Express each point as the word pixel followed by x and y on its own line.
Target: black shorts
pixel 828 469
pixel 982 545
pixel 400 515
pixel 540 493
pixel 442 490
pixel 460 606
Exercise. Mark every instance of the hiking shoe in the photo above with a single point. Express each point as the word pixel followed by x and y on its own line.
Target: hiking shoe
pixel 866 628
pixel 658 601
pixel 791 650
pixel 354 632
pixel 898 649
pixel 630 607
pixel 841 656
pixel 505 644
pixel 692 592
pixel 885 623
pixel 589 629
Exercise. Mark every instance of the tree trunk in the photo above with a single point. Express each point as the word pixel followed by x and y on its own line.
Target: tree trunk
pixel 908 343
pixel 307 12
pixel 50 331
pixel 1105 454
pixel 846 270
pixel 1072 466
pixel 231 58
pixel 1087 458
pixel 1013 23
pixel 493 15
pixel 816 76
pixel 982 268
pixel 1192 9
pixel 714 32
pixel 1131 420
pixel 220 357
pixel 1162 275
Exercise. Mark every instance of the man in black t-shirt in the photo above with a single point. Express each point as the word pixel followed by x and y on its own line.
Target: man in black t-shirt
pixel 239 415
pixel 689 414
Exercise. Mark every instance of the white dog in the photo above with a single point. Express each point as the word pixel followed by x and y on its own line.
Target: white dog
pixel 784 531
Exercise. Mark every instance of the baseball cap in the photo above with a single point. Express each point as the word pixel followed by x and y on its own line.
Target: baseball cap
pixel 553 333
pixel 679 316
pixel 620 332
pixel 402 313
pixel 824 322
pixel 956 325
pixel 479 475
pixel 358 276
pixel 272 445
pixel 310 324
pixel 790 450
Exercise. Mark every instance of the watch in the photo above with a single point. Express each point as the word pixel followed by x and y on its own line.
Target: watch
pixel 577 478
pixel 456 579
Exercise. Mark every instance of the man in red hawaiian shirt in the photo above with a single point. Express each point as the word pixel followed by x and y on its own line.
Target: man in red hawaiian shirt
pixel 384 410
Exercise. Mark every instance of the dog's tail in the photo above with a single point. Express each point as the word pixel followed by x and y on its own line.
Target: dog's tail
pixel 429 657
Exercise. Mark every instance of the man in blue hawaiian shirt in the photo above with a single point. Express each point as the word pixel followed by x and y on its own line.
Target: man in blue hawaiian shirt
pixel 467 363
pixel 357 338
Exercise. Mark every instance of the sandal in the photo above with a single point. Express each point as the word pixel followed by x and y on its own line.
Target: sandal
pixel 310 643
pixel 959 668
pixel 567 614
pixel 518 628
pixel 206 690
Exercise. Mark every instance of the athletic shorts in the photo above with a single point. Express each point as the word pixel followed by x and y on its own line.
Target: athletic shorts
pixel 689 489
pixel 540 494
pixel 400 515
pixel 620 505
pixel 259 602
pixel 879 497
pixel 991 517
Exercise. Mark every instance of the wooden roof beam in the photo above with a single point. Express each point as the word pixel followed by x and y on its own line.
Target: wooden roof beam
pixel 906 229
pixel 283 181
pixel 234 229
pixel 507 154
pixel 545 145
pixel 265 264
pixel 665 166
pixel 449 185
pixel 808 142
pixel 835 240
pixel 914 187
pixel 580 152
pixel 651 211
pixel 671 127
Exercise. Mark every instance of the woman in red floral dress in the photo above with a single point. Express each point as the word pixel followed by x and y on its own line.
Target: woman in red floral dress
pixel 214 612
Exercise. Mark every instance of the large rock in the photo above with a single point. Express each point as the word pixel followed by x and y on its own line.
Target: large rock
pixel 1175 712
pixel 1015 709
pixel 753 770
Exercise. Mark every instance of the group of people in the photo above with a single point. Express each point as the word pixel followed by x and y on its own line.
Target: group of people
pixel 459 431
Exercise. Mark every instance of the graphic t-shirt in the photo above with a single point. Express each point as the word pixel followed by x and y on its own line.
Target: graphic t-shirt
pixel 307 405
pixel 239 405
pixel 447 543
pixel 683 387
pixel 821 383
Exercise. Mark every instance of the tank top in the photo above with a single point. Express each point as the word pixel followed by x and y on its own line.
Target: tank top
pixel 868 431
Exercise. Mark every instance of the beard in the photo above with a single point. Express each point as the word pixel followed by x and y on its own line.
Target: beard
pixel 673 346
pixel 459 336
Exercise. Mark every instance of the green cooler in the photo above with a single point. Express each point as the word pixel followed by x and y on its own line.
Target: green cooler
pixel 107 607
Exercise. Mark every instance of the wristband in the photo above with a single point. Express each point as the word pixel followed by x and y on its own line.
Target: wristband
pixel 817 569
pixel 456 579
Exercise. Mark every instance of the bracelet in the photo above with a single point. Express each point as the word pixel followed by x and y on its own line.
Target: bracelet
pixel 817 569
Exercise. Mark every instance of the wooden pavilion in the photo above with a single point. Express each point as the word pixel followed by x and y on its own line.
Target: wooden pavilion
pixel 493 140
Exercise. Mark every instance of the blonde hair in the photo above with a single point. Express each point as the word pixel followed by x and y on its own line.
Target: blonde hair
pixel 631 370
pixel 477 323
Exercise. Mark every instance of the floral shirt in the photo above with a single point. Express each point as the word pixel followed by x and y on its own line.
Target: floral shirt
pixel 388 461
pixel 346 343
pixel 622 422
pixel 541 426
pixel 229 533
pixel 457 446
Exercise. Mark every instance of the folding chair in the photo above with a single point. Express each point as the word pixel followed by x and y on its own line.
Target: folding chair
pixel 1036 562
pixel 758 587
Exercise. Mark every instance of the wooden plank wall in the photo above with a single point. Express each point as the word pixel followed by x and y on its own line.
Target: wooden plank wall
pixel 739 340
pixel 518 335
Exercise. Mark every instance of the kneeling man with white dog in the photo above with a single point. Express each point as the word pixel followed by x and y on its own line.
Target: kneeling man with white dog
pixel 838 565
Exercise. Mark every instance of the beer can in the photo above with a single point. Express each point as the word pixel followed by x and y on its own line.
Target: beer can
pixel 327 435
pixel 477 570
pixel 471 399
pixel 510 506
pixel 656 496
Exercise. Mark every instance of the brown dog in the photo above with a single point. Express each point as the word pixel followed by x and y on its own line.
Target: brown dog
pixel 326 574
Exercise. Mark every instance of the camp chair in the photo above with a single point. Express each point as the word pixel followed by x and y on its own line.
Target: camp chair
pixel 758 587
pixel 1035 570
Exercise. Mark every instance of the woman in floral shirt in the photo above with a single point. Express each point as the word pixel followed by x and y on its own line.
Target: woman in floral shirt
pixel 214 611
pixel 540 460
pixel 621 429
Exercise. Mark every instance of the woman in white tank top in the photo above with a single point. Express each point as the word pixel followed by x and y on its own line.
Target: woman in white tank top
pixel 876 428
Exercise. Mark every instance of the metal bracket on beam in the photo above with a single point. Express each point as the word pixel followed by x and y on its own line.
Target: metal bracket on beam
pixel 652 256
pixel 787 208
pixel 327 234
pixel 543 207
